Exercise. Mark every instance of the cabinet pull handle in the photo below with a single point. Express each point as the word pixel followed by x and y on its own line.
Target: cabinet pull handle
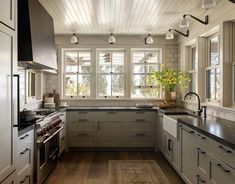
pixel 202 137
pixel 140 112
pixel 25 178
pixel 221 167
pixel 200 180
pixel 112 112
pixel 189 131
pixel 201 151
pixel 170 145
pixel 82 112
pixel 23 152
pixel 83 134
pixel 83 120
pixel 140 119
pixel 140 134
pixel 62 138
pixel 224 149
pixel 98 125
pixel 23 137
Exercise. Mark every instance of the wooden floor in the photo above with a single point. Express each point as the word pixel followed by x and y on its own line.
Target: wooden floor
pixel 92 167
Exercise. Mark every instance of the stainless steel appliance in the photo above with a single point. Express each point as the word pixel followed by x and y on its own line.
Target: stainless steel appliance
pixel 47 145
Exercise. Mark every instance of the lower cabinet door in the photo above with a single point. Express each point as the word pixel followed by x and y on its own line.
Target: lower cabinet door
pixel 82 139
pixel 111 133
pixel 10 179
pixel 188 155
pixel 220 172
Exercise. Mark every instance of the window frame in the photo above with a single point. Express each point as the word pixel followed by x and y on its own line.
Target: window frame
pixel 64 73
pixel 210 67
pixel 125 96
pixel 132 74
pixel 193 71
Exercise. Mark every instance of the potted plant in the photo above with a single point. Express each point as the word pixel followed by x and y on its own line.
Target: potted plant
pixel 170 80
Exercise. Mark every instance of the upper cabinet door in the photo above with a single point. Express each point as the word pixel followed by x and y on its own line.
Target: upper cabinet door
pixel 7 12
pixel 7 132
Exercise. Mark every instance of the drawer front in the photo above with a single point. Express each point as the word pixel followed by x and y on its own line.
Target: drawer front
pixel 221 172
pixel 82 139
pixel 23 159
pixel 140 125
pixel 224 153
pixel 24 177
pixel 142 115
pixel 83 125
pixel 83 116
pixel 140 140
pixel 202 161
pixel 25 140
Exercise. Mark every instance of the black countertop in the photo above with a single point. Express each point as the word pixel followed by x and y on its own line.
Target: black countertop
pixel 111 109
pixel 221 130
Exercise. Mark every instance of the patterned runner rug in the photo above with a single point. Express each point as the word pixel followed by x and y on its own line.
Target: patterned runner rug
pixel 136 172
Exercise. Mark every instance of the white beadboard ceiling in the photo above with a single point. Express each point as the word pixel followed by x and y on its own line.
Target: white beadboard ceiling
pixel 119 16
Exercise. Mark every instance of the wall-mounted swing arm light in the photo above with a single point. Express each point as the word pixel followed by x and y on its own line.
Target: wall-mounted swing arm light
pixel 170 35
pixel 184 22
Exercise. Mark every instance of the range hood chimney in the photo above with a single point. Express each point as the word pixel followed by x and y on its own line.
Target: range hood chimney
pixel 36 40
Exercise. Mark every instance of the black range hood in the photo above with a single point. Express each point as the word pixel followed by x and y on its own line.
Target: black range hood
pixel 36 40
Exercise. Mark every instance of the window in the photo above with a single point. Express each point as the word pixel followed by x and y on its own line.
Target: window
pixel 213 80
pixel 193 69
pixel 111 73
pixel 145 63
pixel 77 73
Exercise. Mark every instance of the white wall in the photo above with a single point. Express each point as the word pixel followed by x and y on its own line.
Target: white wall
pixel 223 12
pixel 170 57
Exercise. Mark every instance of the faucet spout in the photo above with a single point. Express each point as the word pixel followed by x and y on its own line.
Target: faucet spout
pixel 198 99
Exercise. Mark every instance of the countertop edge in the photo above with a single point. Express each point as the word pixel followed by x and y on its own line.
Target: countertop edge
pixel 208 134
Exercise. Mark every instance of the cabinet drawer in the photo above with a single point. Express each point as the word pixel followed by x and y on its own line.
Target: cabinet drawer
pixel 23 159
pixel 141 115
pixel 224 153
pixel 82 139
pixel 83 116
pixel 83 125
pixel 221 172
pixel 24 177
pixel 140 125
pixel 140 140
pixel 25 140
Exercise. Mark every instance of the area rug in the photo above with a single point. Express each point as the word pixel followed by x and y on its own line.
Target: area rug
pixel 136 172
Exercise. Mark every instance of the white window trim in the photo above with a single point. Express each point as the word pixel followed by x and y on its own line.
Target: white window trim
pixel 211 67
pixel 233 86
pixel 63 72
pixel 97 73
pixel 191 70
pixel 131 69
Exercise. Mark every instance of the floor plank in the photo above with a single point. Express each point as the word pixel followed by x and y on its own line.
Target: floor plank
pixel 92 167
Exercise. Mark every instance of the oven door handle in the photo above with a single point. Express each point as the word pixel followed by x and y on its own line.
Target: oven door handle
pixel 44 142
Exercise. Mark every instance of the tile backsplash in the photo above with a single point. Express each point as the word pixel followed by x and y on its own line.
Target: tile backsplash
pixel 222 112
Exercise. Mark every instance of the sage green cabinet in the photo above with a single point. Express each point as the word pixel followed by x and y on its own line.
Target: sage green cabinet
pixel 161 137
pixel 172 150
pixel 188 154
pixel 8 12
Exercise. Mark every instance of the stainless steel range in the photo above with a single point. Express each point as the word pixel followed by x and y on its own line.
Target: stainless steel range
pixel 47 145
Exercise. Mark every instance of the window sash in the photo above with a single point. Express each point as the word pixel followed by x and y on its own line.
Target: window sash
pixel 145 74
pixel 78 74
pixel 112 73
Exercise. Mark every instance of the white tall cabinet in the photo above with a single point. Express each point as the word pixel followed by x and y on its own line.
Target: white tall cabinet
pixel 8 109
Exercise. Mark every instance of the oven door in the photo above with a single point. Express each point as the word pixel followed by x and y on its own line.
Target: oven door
pixel 47 153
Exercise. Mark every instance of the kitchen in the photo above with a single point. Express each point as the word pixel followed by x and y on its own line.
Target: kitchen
pixel 113 91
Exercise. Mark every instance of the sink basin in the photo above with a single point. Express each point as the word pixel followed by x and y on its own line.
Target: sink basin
pixel 170 123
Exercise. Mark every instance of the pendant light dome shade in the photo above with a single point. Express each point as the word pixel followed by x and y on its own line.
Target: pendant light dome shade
pixel 184 22
pixel 74 39
pixel 169 35
pixel 208 4
pixel 149 39
pixel 111 39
